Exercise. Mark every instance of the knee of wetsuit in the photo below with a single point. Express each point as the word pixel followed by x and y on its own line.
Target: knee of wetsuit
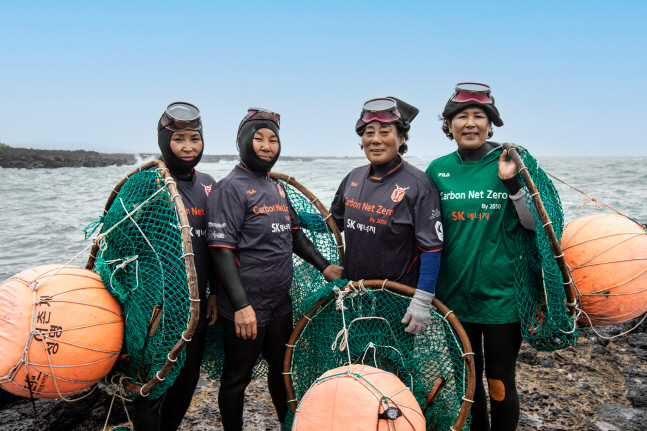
pixel 497 389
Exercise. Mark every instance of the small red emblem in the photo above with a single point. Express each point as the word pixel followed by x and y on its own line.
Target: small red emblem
pixel 398 193
pixel 207 189
pixel 281 190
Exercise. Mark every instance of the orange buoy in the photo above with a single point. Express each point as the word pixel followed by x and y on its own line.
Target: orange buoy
pixel 60 331
pixel 358 397
pixel 607 254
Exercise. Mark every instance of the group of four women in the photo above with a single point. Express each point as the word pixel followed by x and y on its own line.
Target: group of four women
pixel 467 206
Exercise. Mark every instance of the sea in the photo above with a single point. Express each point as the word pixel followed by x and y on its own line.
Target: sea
pixel 43 211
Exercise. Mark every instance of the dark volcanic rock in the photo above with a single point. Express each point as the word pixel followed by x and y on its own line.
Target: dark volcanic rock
pixel 621 417
pixel 27 158
pixel 636 386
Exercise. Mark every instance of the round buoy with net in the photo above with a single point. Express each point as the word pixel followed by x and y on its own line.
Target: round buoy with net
pixel 358 397
pixel 60 331
pixel 607 254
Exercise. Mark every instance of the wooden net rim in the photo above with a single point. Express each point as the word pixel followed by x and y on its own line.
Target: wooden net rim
pixel 317 203
pixel 192 277
pixel 468 354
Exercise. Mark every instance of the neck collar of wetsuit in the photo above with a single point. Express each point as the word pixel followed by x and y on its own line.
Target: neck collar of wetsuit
pixel 378 172
pixel 481 154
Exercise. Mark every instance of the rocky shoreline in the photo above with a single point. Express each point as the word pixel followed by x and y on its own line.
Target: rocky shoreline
pixel 597 385
pixel 27 158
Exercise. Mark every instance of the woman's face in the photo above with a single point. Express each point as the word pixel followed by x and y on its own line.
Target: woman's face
pixel 470 128
pixel 266 144
pixel 187 144
pixel 381 142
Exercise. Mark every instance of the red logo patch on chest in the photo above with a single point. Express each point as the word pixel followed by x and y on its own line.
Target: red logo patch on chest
pixel 281 192
pixel 398 193
pixel 207 189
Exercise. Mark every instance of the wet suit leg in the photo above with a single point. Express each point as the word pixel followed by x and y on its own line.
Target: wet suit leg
pixel 166 412
pixel 240 358
pixel 276 337
pixel 501 344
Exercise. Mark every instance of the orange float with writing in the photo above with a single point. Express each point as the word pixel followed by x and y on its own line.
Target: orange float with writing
pixel 358 397
pixel 60 331
pixel 607 254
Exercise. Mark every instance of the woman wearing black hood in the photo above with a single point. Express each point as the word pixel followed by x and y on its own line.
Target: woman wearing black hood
pixel 179 135
pixel 390 211
pixel 253 231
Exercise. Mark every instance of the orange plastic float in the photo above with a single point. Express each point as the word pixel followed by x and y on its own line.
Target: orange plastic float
pixel 607 254
pixel 59 327
pixel 358 397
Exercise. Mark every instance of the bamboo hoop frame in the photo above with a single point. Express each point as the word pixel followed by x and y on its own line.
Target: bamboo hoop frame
pixel 192 277
pixel 548 227
pixel 317 203
pixel 468 354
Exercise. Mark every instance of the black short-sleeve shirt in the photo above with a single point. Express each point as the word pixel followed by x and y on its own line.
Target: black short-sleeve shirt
pixel 253 216
pixel 387 222
pixel 194 195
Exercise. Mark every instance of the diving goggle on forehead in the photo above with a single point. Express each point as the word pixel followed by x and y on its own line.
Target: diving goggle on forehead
pixel 181 116
pixel 472 92
pixel 261 114
pixel 383 109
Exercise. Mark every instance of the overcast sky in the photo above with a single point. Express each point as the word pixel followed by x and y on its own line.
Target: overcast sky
pixel 568 77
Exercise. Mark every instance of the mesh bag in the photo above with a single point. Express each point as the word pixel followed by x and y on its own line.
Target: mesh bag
pixel 308 285
pixel 144 257
pixel 546 323
pixel 362 326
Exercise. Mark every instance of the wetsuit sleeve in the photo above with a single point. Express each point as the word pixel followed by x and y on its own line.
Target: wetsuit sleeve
pixel 305 249
pixel 337 207
pixel 518 195
pixel 226 266
pixel 429 266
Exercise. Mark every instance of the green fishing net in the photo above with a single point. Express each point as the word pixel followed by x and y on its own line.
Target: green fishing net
pixel 141 262
pixel 541 300
pixel 376 338
pixel 307 282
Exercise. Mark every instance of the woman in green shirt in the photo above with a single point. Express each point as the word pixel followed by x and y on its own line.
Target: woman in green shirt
pixel 482 204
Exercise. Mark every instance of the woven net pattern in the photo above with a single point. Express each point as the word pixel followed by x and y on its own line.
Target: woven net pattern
pixel 141 262
pixel 375 337
pixel 541 300
pixel 308 285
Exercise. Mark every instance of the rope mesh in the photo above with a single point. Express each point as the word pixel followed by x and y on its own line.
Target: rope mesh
pixel 541 300
pixel 140 261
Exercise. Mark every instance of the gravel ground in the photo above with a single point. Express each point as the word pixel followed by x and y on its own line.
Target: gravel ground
pixel 597 385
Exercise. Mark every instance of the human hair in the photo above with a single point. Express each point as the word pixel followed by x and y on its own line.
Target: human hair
pixel 445 128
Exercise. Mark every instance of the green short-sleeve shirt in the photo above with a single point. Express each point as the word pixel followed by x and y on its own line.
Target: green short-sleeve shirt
pixel 476 278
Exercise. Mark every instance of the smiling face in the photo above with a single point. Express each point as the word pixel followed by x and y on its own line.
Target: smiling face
pixel 470 128
pixel 187 145
pixel 266 144
pixel 381 142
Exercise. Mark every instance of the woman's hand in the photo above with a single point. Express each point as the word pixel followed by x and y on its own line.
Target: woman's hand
pixel 507 169
pixel 245 320
pixel 332 272
pixel 212 309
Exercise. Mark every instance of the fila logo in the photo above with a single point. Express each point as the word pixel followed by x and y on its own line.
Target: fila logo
pixel 353 184
pixel 251 192
pixel 443 174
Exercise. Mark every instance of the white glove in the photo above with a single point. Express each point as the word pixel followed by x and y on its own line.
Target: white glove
pixel 418 315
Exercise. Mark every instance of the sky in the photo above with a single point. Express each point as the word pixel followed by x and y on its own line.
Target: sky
pixel 568 77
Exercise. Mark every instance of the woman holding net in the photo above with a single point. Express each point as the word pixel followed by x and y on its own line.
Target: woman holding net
pixel 253 231
pixel 390 211
pixel 179 136
pixel 483 206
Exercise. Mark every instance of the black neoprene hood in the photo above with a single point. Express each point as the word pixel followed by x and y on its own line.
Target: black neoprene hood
pixel 173 162
pixel 246 145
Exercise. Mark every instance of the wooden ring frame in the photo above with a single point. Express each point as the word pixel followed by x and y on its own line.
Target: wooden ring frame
pixel 192 277
pixel 468 356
